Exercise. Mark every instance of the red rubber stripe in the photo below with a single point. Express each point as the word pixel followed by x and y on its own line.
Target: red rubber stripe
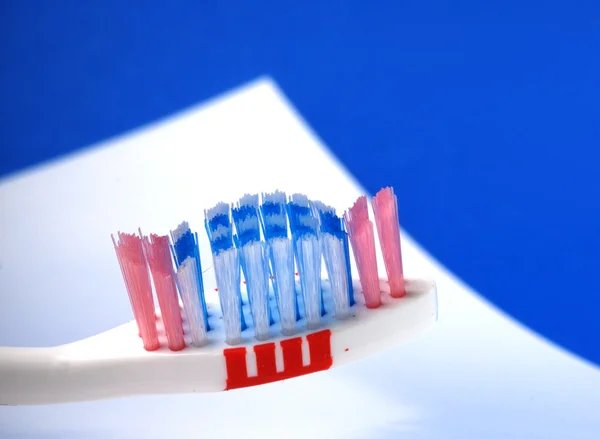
pixel 265 360
pixel 235 362
pixel 320 348
pixel 319 344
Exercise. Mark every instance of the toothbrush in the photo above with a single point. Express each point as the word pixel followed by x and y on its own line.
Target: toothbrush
pixel 282 321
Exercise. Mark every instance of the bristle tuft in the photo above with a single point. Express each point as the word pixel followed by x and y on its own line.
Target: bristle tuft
pixel 334 244
pixel 180 230
pixel 187 278
pixel 280 250
pixel 361 234
pixel 307 248
pixel 245 217
pixel 130 255
pixel 273 215
pixel 227 270
pixel 227 273
pixel 218 227
pixel 185 245
pixel 385 210
pixel 254 263
pixel 158 255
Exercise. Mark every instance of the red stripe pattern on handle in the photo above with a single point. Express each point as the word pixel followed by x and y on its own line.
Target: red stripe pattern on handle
pixel 319 344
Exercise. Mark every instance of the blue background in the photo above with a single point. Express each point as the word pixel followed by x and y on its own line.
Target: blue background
pixel 485 116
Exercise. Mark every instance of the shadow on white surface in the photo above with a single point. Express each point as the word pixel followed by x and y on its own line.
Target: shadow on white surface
pixel 478 374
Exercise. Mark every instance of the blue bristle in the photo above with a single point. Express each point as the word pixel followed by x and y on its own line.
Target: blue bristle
pixel 219 229
pixel 303 223
pixel 199 268
pixel 244 271
pixel 348 270
pixel 272 276
pixel 333 224
pixel 227 273
pixel 253 256
pixel 273 215
pixel 271 208
pixel 274 223
pixel 185 244
pixel 334 241
pixel 248 225
pixel 219 220
pixel 302 220
pixel 245 217
pixel 281 254
pixel 304 226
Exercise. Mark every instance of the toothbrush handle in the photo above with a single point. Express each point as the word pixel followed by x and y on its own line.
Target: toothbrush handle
pixel 64 374
pixel 30 375
pixel 34 376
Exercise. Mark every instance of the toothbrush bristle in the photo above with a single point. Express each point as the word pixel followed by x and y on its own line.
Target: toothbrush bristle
pixel 218 227
pixel 360 232
pixel 245 217
pixel 385 210
pixel 158 254
pixel 334 244
pixel 180 231
pixel 226 263
pixel 264 237
pixel 185 248
pixel 227 272
pixel 130 255
pixel 187 277
pixel 333 224
pixel 253 259
pixel 307 248
pixel 281 255
pixel 273 215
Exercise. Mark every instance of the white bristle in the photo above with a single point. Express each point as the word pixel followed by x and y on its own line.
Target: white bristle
pixel 249 200
pixel 249 223
pixel 274 197
pixel 227 273
pixel 309 221
pixel 309 257
pixel 282 263
pixel 257 284
pixel 179 231
pixel 277 220
pixel 300 200
pixel 335 261
pixel 220 208
pixel 322 207
pixel 187 278
pixel 219 232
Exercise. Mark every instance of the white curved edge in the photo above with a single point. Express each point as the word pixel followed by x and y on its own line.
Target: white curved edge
pixel 114 364
pixel 396 322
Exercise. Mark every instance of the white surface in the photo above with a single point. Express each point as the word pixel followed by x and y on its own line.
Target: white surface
pixel 478 374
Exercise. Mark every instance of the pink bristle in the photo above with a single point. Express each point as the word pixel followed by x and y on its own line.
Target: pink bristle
pixel 137 282
pixel 385 209
pixel 158 254
pixel 362 239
